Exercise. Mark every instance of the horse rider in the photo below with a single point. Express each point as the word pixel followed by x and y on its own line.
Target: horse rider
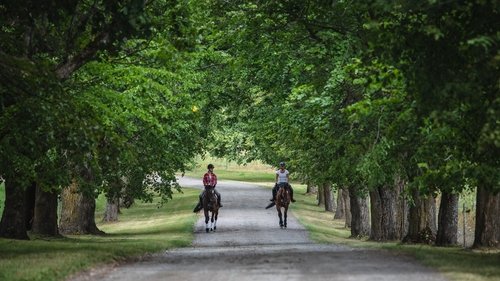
pixel 209 181
pixel 282 178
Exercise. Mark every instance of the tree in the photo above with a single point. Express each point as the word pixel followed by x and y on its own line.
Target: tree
pixel 381 97
pixel 329 197
pixel 152 126
pixel 78 122
pixel 448 210
pixel 446 52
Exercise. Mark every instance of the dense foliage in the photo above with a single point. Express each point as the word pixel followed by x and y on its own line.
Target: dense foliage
pixel 99 87
pixel 364 93
pixel 355 91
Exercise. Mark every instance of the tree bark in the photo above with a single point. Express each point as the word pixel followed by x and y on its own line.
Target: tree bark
pixel 125 202
pixel 321 195
pixel 78 212
pixel 403 207
pixel 45 218
pixel 487 219
pixel 386 217
pixel 112 209
pixel 347 202
pixel 67 67
pixel 13 223
pixel 421 220
pixel 29 206
pixel 340 210
pixel 360 225
pixel 447 220
pixel 311 188
pixel 327 190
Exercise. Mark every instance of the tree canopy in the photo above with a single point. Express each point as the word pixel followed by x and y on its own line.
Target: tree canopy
pixel 347 92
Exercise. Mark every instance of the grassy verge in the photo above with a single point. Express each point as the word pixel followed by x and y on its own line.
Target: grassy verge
pixel 142 229
pixel 454 262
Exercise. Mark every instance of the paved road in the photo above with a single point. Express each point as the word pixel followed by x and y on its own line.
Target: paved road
pixel 249 245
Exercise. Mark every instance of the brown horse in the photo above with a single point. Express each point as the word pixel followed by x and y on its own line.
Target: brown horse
pixel 282 200
pixel 210 208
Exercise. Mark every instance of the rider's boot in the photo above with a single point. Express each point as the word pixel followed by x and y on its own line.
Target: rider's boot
pixel 274 194
pixel 218 199
pixel 272 199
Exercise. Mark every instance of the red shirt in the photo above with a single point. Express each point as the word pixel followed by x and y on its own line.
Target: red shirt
pixel 210 179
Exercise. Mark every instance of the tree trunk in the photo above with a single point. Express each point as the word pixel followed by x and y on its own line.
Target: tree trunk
pixel 321 195
pixel 386 217
pixel 125 198
pixel 487 219
pixel 403 207
pixel 327 190
pixel 311 188
pixel 125 202
pixel 347 201
pixel 447 220
pixel 29 206
pixel 78 212
pixel 13 223
pixel 45 218
pixel 340 210
pixel 421 220
pixel 360 225
pixel 112 209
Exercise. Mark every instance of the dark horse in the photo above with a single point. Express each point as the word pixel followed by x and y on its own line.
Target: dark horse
pixel 210 205
pixel 282 200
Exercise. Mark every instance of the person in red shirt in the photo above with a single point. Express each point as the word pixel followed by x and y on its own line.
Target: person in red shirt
pixel 209 180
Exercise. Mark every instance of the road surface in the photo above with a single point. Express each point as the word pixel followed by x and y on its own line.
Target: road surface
pixel 249 245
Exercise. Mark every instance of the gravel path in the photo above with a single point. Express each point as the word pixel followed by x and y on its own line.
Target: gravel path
pixel 249 245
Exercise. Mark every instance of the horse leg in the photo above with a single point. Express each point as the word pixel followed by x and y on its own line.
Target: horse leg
pixel 212 221
pixel 285 214
pixel 206 220
pixel 215 222
pixel 280 216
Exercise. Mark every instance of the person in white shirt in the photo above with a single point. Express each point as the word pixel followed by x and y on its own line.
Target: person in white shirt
pixel 282 178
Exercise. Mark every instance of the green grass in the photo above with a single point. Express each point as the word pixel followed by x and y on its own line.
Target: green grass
pixel 455 263
pixel 142 229
pixel 146 229
pixel 227 170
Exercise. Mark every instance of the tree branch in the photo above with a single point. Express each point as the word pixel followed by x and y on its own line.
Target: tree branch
pixel 65 69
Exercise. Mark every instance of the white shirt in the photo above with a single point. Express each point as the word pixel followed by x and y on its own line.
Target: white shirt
pixel 282 176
